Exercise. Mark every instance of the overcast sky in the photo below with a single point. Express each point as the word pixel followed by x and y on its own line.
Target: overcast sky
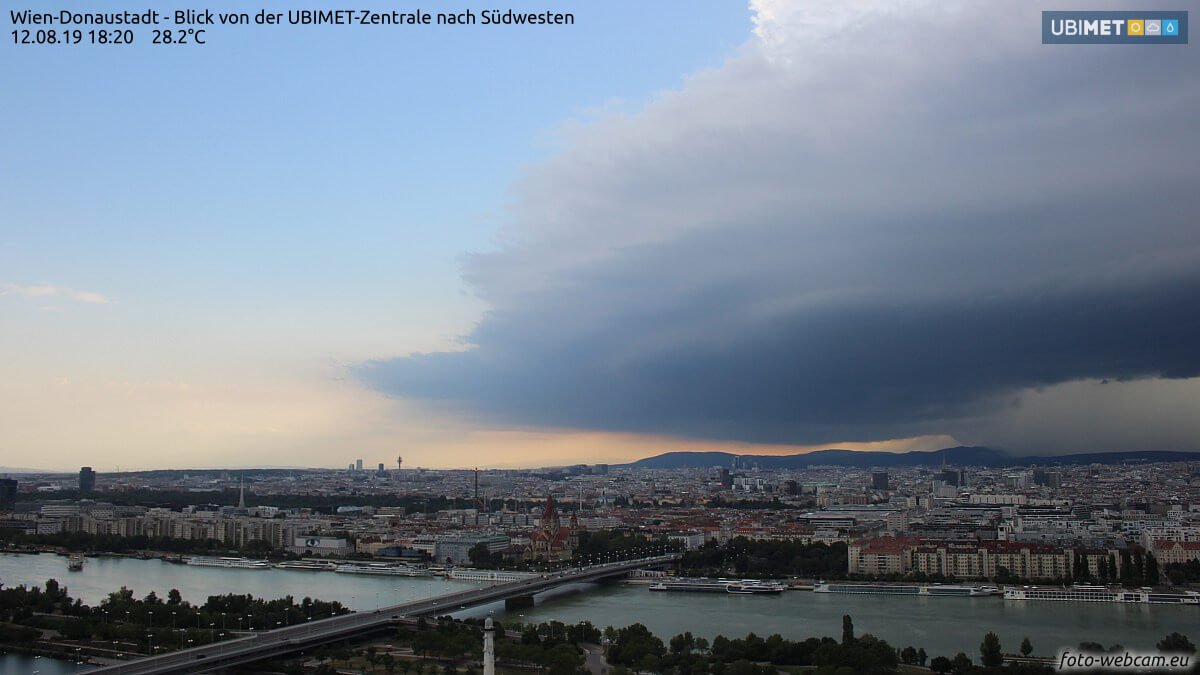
pixel 772 228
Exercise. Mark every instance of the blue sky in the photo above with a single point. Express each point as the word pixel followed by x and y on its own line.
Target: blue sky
pixel 765 227
pixel 283 200
pixel 234 173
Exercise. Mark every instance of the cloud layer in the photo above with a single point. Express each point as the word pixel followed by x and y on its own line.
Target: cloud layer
pixel 874 222
pixel 50 291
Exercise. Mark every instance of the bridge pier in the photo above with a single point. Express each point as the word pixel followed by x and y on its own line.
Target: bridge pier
pixel 518 601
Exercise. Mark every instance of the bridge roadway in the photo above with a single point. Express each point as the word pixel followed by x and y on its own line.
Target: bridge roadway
pixel 282 641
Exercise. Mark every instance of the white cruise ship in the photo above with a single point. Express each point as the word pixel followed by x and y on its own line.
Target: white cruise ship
pixel 382 569
pixel 950 590
pixel 470 574
pixel 306 565
pixel 734 586
pixel 236 563
pixel 755 587
pixel 1082 593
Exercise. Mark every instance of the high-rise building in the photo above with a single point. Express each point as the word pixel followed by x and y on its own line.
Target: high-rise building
pixel 726 479
pixel 8 494
pixel 358 465
pixel 955 477
pixel 87 479
pixel 1047 478
pixel 380 470
pixel 879 480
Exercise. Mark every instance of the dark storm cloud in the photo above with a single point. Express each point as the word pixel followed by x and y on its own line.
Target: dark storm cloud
pixel 818 244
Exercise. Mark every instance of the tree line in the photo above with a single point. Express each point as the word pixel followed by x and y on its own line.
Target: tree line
pixel 149 624
pixel 766 558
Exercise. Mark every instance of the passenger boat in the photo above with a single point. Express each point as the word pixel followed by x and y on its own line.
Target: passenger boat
pixel 382 569
pixel 75 562
pixel 755 587
pixel 736 586
pixel 1085 593
pixel 694 585
pixel 471 574
pixel 233 563
pixel 306 565
pixel 952 590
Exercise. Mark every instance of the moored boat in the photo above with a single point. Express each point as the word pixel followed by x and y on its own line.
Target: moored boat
pixel 472 574
pixel 755 587
pixel 233 563
pixel 306 565
pixel 703 585
pixel 950 590
pixel 382 569
pixel 1088 593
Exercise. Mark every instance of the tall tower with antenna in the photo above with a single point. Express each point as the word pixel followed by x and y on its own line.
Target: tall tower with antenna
pixel 480 502
pixel 399 463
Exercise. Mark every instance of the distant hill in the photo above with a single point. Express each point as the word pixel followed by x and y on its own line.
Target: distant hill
pixel 14 469
pixel 961 456
pixel 1114 457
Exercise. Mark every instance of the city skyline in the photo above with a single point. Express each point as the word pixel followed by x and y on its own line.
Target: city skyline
pixel 735 235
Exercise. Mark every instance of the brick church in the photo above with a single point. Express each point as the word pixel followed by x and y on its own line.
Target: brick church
pixel 552 542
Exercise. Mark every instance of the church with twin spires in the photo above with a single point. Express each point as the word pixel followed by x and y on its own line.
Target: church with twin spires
pixel 552 542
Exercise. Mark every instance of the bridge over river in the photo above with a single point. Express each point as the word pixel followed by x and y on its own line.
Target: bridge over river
pixel 284 641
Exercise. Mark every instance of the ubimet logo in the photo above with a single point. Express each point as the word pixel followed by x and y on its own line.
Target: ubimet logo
pixel 1136 27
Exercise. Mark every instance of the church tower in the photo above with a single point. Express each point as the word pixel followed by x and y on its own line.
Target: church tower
pixel 550 524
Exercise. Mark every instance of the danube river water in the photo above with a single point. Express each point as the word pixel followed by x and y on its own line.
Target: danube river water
pixel 101 576
pixel 940 625
pixel 20 664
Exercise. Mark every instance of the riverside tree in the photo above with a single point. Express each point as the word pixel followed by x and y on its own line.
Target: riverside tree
pixel 990 653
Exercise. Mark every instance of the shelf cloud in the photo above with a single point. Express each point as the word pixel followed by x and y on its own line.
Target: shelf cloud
pixel 872 222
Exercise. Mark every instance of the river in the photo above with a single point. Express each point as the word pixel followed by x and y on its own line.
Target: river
pixel 942 625
pixel 20 664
